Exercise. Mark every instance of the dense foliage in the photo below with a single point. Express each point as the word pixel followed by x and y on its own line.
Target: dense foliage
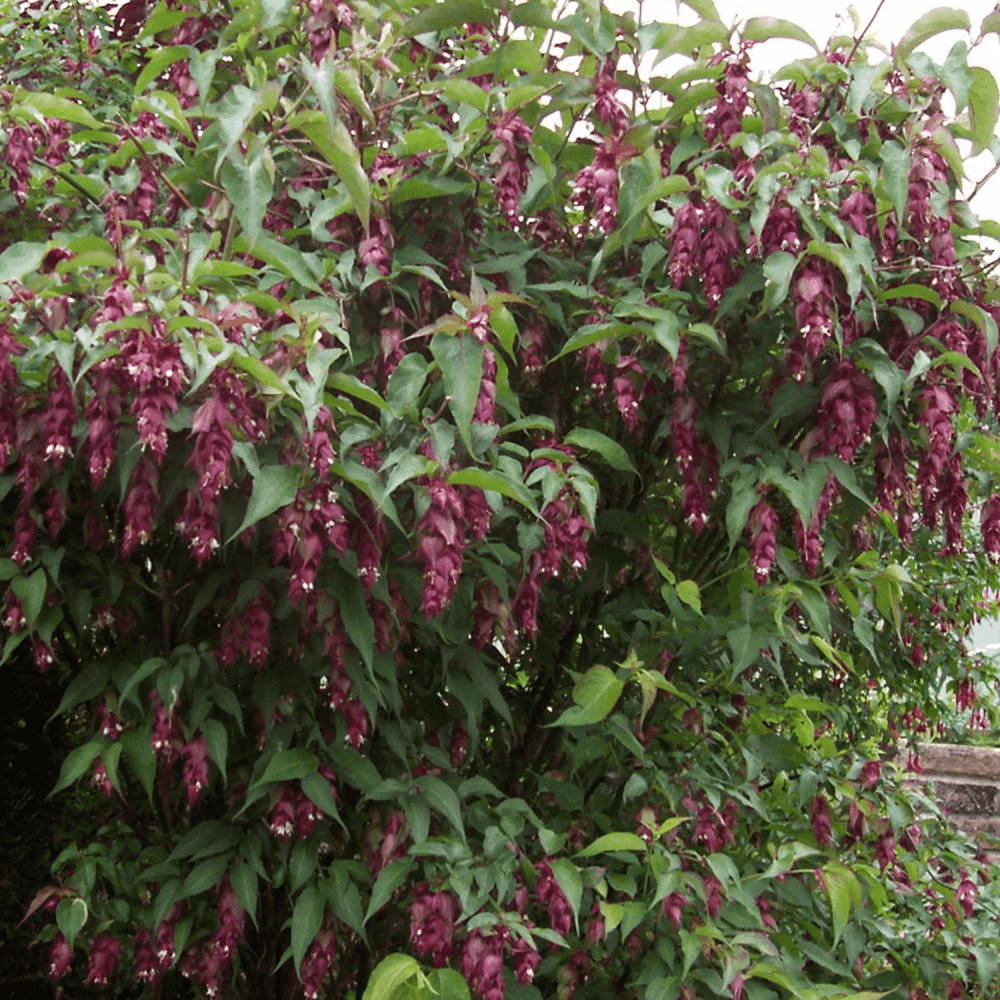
pixel 481 504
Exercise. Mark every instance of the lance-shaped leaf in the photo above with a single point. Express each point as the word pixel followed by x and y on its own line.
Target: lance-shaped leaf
pixel 235 111
pixel 931 24
pixel 984 106
pixel 596 694
pixel 20 259
pixel 249 187
pixel 337 147
pixel 759 29
pixel 274 487
pixel 461 362
pixel 307 918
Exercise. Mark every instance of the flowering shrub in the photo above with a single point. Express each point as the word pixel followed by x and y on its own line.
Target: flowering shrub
pixel 483 508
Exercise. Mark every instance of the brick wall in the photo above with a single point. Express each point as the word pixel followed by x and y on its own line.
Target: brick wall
pixel 966 782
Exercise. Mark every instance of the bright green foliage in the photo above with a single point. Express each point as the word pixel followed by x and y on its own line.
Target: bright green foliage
pixel 486 507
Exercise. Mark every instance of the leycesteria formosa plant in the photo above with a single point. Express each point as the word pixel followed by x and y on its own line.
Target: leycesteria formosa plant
pixel 488 511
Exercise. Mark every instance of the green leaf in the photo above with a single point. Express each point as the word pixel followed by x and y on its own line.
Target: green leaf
pixel 321 80
pixel 911 291
pixel 145 670
pixel 406 384
pixel 208 838
pixel 843 889
pixel 288 765
pixel 443 799
pixel 459 90
pixel 349 86
pixel 863 77
pixel 955 73
pixel 289 261
pixel 611 451
pixel 416 188
pixel 337 146
pixel 77 764
pixel 759 29
pixel 986 965
pixel 705 9
pixel 931 24
pixel 30 591
pixel 357 771
pixel 389 880
pixel 234 112
pixel 71 915
pixel 141 756
pixel 391 973
pixel 343 896
pixel 778 270
pixel 981 318
pixel 161 58
pixel 461 362
pixel 275 11
pixel 62 108
pixel 206 875
pixel 342 382
pixel 86 685
pixel 896 176
pixel 505 327
pixel 569 880
pixel 447 984
pixel 255 367
pixel 358 621
pixel 217 738
pixel 984 108
pixel 307 918
pixel 248 186
pixel 613 842
pixel 302 863
pixel 453 14
pixel 596 693
pixel 273 488
pixel 842 259
pixel 689 592
pixel 243 879
pixel 497 482
pixel 20 259
pixel 318 789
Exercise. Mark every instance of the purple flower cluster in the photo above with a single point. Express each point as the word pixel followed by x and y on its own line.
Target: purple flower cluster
pixel 305 530
pixel 482 962
pixel 319 960
pixel 705 242
pixel 337 684
pixel 762 526
pixel 247 633
pixel 724 119
pixel 548 892
pixel 213 445
pixel 104 951
pixel 596 186
pixel 326 18
pixel 433 916
pixel 441 534
pixel 511 159
pixel 609 110
pixel 207 961
pixel 195 754
pixel 293 812
pixel 153 956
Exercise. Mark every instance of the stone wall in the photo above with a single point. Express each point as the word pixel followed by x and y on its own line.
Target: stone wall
pixel 966 782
